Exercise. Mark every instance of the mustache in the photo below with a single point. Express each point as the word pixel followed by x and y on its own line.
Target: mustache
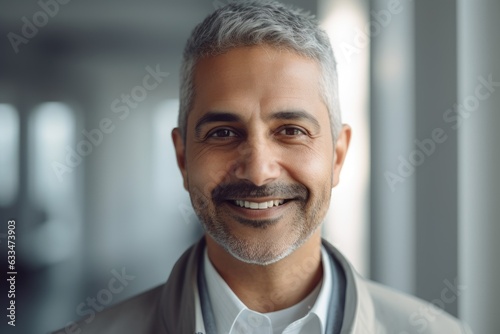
pixel 224 192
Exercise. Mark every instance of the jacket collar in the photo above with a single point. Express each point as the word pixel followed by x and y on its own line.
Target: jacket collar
pixel 359 313
pixel 177 306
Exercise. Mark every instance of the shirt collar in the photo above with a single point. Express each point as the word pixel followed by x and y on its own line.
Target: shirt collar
pixel 320 307
pixel 227 306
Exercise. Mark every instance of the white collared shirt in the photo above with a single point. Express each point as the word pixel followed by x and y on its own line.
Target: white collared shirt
pixel 233 317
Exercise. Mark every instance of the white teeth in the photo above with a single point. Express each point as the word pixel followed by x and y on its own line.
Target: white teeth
pixel 259 206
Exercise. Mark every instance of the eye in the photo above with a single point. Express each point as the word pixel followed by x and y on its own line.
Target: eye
pixel 292 131
pixel 222 133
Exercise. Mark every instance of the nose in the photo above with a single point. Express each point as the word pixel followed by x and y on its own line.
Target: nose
pixel 258 162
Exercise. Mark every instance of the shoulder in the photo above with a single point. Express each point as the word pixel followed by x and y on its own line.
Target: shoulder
pixel 400 313
pixel 134 315
pixel 167 308
pixel 371 307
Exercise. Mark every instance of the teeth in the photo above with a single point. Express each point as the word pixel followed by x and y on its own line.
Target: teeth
pixel 259 206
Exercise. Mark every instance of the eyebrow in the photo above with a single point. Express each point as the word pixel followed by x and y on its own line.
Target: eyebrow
pixel 215 116
pixel 295 115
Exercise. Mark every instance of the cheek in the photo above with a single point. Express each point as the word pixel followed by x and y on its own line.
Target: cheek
pixel 313 168
pixel 207 169
pixel 317 175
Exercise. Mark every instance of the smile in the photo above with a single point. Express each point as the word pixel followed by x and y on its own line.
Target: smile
pixel 257 205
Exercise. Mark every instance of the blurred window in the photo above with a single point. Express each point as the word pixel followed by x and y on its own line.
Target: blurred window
pixel 170 196
pixel 164 166
pixel 348 219
pixel 9 156
pixel 53 193
pixel 52 131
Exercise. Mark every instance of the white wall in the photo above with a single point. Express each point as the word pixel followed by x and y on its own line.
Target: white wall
pixel 479 164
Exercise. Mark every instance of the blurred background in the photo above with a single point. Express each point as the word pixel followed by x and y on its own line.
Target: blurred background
pixel 88 98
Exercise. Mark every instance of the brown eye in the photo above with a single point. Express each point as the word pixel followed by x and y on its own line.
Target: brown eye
pixel 222 133
pixel 292 132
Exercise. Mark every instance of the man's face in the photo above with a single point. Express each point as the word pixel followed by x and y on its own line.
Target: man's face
pixel 259 160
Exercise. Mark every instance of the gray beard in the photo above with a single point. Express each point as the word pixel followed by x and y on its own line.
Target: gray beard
pixel 302 228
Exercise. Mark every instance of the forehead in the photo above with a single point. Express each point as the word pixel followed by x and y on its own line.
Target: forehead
pixel 262 77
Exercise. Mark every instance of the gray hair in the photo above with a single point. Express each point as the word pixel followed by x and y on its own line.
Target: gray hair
pixel 247 23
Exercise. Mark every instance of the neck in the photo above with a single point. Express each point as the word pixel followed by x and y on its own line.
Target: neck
pixel 272 287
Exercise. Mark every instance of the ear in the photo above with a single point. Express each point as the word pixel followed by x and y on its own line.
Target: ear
pixel 180 153
pixel 341 147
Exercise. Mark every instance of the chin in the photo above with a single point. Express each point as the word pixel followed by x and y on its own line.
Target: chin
pixel 255 251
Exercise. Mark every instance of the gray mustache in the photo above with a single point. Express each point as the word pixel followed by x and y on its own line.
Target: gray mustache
pixel 224 192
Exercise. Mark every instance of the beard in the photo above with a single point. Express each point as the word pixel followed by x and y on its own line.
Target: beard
pixel 302 218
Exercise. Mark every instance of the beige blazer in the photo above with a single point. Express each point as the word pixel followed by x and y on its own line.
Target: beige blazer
pixel 370 308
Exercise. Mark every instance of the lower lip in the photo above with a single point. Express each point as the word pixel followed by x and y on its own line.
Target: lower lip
pixel 259 214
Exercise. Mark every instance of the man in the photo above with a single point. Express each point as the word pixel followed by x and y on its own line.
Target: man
pixel 260 145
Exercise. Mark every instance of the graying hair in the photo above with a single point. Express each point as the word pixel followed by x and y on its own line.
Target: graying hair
pixel 247 23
